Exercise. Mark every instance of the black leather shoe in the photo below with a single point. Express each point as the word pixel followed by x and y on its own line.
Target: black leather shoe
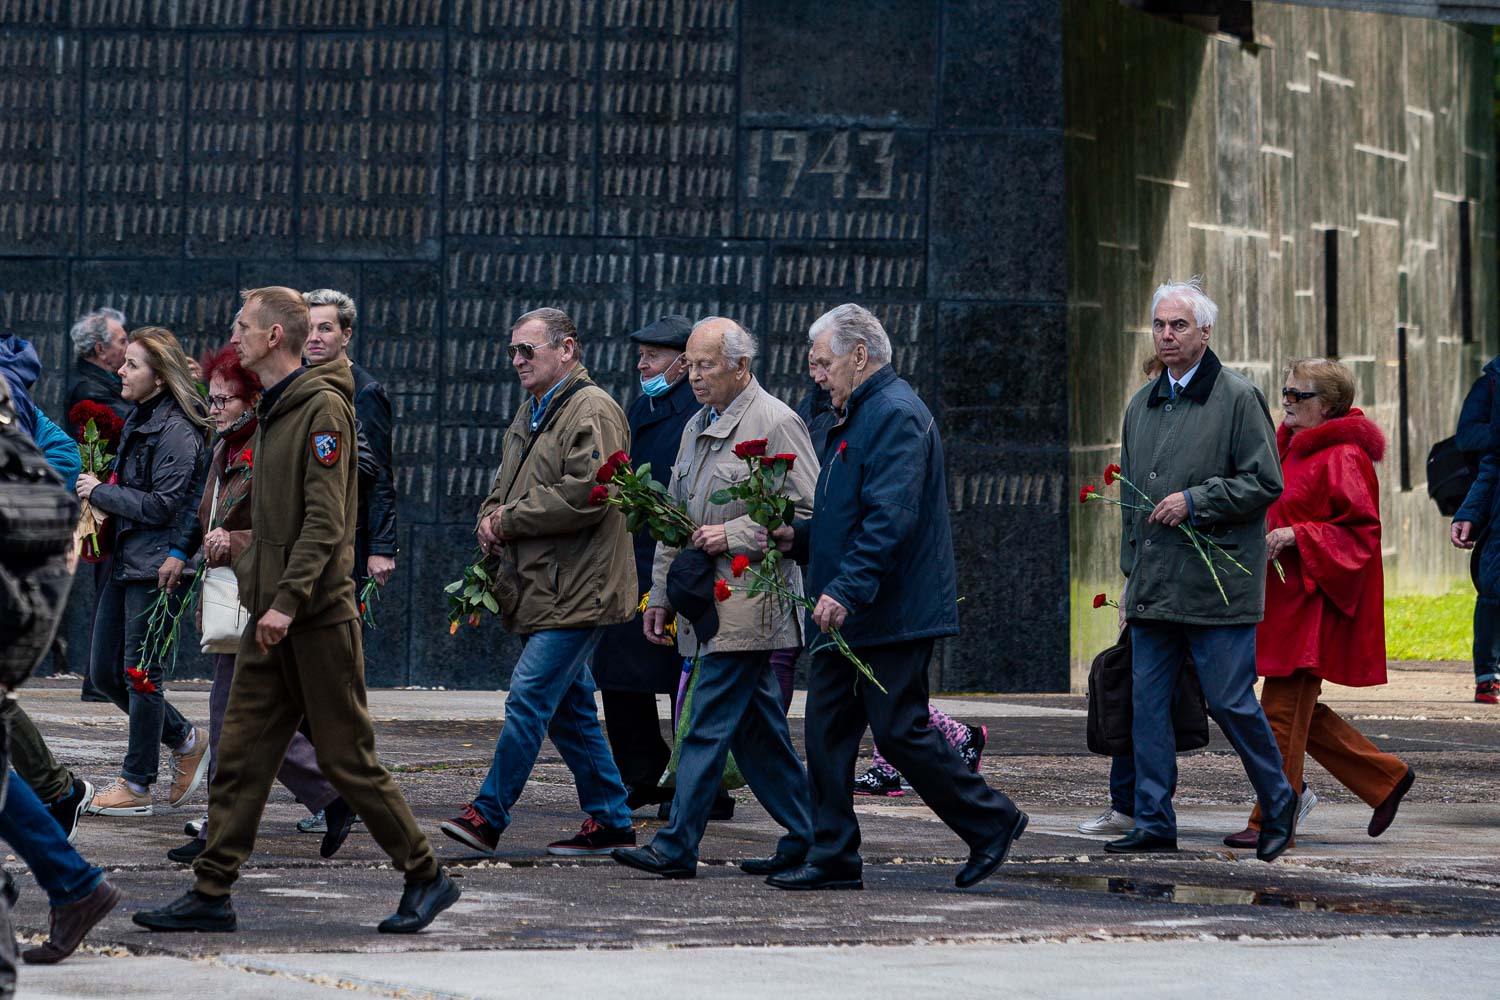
pixel 810 877
pixel 649 859
pixel 420 904
pixel 186 854
pixel 774 865
pixel 1276 832
pixel 1141 842
pixel 340 819
pixel 721 810
pixel 983 862
pixel 192 911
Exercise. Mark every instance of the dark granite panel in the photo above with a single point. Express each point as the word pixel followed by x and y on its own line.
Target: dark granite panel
pixel 1002 64
pixel 396 336
pixel 31 14
pixel 34 304
pixel 522 106
pixel 833 183
pixel 803 63
pixel 303 275
pixel 997 217
pixel 133 145
pixel 371 106
pixel 242 137
pixel 487 285
pixel 667 114
pixel 196 301
pixel 39 105
pixel 480 657
pixel 996 383
pixel 1010 539
pixel 388 643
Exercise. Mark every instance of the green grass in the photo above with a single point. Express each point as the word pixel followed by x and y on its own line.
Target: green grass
pixel 1430 627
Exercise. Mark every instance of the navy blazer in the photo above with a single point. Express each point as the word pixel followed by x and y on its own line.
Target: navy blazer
pixel 879 540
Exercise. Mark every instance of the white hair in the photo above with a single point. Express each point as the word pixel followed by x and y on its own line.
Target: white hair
pixel 739 343
pixel 852 324
pixel 1205 311
pixel 92 329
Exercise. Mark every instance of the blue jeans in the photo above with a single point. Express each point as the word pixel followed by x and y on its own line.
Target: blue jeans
pixel 552 694
pixel 1224 657
pixel 737 706
pixel 27 826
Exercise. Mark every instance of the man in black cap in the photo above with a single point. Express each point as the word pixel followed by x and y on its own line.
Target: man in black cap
pixel 629 670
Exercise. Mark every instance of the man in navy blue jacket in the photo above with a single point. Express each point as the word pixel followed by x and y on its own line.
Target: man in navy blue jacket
pixel 879 556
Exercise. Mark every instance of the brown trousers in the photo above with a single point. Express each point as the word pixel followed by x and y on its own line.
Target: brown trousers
pixel 1303 725
pixel 319 673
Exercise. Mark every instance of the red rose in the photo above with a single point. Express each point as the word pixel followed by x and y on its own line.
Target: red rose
pixel 106 423
pixel 1111 472
pixel 751 449
pixel 606 472
pixel 621 459
pixel 721 590
pixel 598 495
pixel 739 565
pixel 1085 494
pixel 788 458
pixel 1099 600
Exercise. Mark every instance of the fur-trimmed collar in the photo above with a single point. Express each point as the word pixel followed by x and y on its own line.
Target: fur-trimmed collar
pixel 1352 428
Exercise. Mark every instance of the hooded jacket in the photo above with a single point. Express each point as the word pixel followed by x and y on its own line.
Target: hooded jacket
pixel 21 367
pixel 301 553
pixel 1329 615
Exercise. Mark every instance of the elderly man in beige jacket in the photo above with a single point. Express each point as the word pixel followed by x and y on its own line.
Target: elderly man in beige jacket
pixel 737 702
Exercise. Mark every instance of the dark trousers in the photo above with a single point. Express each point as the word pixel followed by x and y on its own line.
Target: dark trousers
pixel 1486 639
pixel 635 739
pixel 837 714
pixel 119 628
pixel 318 673
pixel 736 706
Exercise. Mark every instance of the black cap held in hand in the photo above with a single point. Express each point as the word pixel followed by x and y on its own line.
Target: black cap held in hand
pixel 690 588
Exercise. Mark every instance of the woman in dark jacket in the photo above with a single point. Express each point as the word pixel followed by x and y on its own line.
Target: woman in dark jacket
pixel 1326 620
pixel 151 496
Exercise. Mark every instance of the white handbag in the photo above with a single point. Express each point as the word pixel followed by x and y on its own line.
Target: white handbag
pixel 224 618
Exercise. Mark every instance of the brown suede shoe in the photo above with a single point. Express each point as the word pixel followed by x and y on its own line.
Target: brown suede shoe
pixel 70 924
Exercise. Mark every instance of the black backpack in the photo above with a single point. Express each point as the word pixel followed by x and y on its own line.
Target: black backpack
pixel 37 517
pixel 1111 711
pixel 1450 473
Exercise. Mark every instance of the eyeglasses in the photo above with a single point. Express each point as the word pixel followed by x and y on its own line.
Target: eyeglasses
pixel 1290 395
pixel 219 402
pixel 527 351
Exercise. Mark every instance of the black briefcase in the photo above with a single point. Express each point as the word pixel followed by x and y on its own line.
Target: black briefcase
pixel 1111 714
pixel 1450 473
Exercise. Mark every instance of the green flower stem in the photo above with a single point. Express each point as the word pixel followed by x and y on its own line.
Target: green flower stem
pixel 774 587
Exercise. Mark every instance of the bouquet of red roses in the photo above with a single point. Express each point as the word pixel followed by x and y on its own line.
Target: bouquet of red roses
pixel 761 492
pixel 646 503
pixel 98 430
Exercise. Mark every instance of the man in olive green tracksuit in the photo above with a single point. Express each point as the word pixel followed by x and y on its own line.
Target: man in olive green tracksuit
pixel 301 654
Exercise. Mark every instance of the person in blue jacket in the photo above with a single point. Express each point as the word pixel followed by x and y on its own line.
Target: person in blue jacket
pixel 879 556
pixel 1478 436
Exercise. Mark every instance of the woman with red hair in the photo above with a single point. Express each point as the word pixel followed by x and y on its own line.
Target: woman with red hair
pixel 224 532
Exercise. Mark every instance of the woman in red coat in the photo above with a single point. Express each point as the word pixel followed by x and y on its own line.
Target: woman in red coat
pixel 1326 622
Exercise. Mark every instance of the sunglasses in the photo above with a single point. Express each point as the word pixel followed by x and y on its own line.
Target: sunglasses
pixel 527 351
pixel 1289 395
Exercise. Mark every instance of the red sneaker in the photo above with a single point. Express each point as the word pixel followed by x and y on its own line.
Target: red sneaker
pixel 594 838
pixel 472 830
pixel 1487 693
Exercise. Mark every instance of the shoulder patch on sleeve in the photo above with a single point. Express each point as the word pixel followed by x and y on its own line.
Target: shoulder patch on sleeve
pixel 326 447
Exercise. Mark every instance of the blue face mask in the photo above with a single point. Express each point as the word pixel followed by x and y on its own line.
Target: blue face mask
pixel 657 385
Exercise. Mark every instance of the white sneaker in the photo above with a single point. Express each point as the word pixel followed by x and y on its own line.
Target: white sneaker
pixel 1109 821
pixel 1309 800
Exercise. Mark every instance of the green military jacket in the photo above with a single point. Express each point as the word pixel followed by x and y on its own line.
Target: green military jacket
pixel 1216 442
pixel 303 505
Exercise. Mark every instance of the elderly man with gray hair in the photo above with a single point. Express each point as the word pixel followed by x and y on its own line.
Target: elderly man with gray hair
pixel 736 701
pixel 879 556
pixel 98 351
pixel 1198 441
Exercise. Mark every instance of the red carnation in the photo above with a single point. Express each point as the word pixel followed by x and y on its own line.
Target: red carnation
pixel 1086 493
pixel 739 565
pixel 788 458
pixel 843 446
pixel 1111 472
pixel 247 458
pixel 1099 600
pixel 606 472
pixel 598 495
pixel 105 421
pixel 620 459
pixel 751 449
pixel 721 590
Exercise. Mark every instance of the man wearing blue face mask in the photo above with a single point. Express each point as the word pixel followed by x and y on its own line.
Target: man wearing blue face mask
pixel 629 671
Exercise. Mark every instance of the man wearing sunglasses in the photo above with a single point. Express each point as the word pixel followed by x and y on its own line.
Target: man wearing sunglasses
pixel 1199 446
pixel 571 572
